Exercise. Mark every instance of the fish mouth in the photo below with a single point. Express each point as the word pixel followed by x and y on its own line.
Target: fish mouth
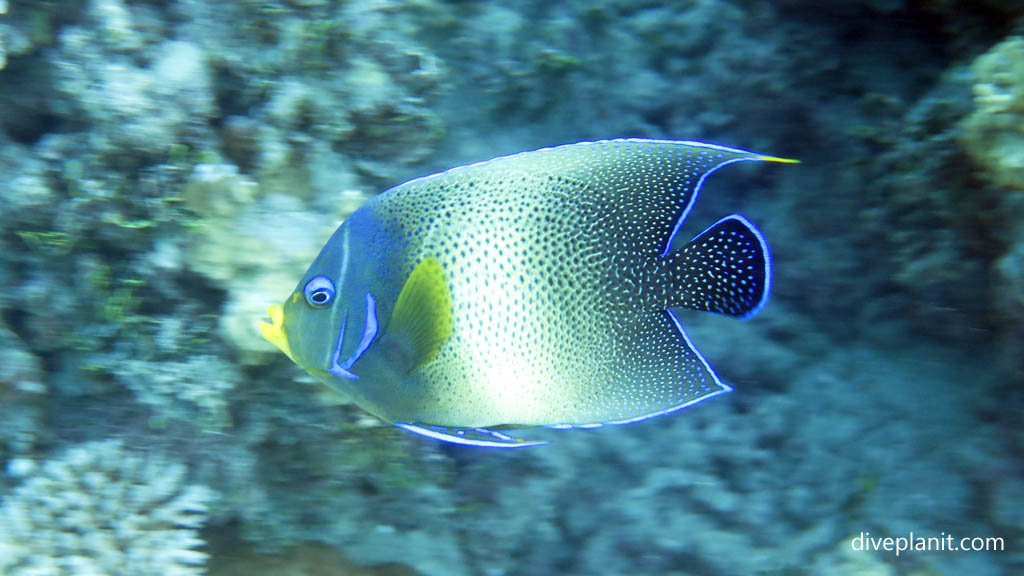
pixel 273 331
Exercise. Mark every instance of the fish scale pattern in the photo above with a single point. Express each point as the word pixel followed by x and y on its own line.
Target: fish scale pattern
pixel 546 254
pixel 725 269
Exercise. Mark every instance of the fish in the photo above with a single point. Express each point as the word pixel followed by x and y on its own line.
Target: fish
pixel 530 290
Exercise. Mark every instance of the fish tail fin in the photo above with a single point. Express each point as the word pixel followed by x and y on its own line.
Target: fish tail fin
pixel 725 269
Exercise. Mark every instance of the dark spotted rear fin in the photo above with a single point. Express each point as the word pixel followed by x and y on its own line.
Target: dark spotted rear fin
pixel 725 269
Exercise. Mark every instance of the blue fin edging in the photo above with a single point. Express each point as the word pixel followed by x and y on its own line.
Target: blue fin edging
pixel 723 388
pixel 483 437
pixel 696 192
pixel 765 255
pixel 767 265
pixel 489 438
pixel 480 437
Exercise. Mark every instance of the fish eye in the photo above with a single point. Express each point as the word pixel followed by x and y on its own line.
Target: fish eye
pixel 319 291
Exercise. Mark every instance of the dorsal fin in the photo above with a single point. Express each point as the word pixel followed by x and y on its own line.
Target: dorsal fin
pixel 641 190
pixel 422 317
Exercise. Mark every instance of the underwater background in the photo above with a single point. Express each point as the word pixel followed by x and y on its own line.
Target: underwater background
pixel 168 168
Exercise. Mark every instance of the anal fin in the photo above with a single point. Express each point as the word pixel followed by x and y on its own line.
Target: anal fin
pixel 468 436
pixel 660 371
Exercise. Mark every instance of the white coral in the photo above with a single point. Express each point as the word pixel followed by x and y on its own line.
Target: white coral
pixel 101 510
pixel 994 133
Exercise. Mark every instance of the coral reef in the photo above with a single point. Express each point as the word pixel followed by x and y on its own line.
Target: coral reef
pixel 193 390
pixel 100 509
pixel 935 238
pixel 619 501
pixel 363 483
pixel 541 74
pixel 231 244
pixel 993 134
pixel 4 32
pixel 22 395
pixel 306 560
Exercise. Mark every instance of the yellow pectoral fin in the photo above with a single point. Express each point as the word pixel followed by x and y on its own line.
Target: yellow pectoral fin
pixel 422 318
pixel 273 331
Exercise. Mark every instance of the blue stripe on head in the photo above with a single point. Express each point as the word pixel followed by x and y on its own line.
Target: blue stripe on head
pixel 335 368
pixel 369 332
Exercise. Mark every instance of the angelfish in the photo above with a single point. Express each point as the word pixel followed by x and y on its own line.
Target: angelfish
pixel 528 290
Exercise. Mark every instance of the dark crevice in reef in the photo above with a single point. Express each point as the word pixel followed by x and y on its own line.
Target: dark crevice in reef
pixel 27 115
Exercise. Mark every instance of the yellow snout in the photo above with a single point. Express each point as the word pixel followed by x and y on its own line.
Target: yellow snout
pixel 273 331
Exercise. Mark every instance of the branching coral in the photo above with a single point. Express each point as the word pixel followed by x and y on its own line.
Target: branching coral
pixel 194 390
pixel 100 509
